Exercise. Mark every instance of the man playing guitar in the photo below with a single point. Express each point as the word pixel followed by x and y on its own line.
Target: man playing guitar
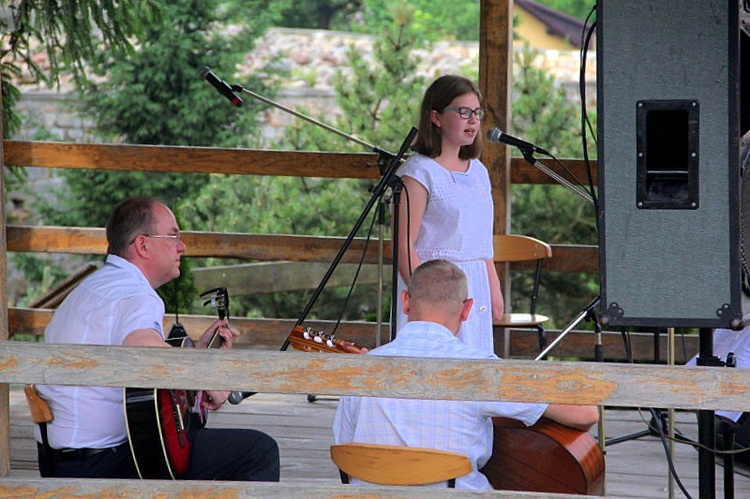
pixel 436 304
pixel 118 305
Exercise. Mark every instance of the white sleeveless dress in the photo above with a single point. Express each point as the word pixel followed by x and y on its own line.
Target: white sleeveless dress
pixel 456 226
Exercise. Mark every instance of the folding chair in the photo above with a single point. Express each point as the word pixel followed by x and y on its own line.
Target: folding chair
pixel 515 248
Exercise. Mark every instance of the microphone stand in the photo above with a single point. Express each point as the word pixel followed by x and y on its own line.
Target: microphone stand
pixel 528 155
pixel 589 312
pixel 388 164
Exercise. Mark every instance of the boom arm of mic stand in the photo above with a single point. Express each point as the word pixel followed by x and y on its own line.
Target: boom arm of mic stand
pixel 528 155
pixel 238 88
pixel 578 318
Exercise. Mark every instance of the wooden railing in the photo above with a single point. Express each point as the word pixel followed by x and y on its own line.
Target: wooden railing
pixel 295 372
pixel 272 332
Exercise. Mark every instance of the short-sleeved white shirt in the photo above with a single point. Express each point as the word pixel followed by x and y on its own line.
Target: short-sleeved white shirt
pixel 107 306
pixel 457 223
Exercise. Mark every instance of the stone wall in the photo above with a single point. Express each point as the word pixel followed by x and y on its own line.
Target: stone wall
pixel 307 59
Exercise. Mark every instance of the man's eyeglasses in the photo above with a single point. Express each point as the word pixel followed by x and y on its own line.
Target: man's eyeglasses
pixel 466 112
pixel 177 238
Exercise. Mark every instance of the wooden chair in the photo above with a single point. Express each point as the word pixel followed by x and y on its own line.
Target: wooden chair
pixel 515 248
pixel 394 465
pixel 41 414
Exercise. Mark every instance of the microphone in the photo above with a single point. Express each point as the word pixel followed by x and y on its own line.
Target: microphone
pixel 237 397
pixel 220 85
pixel 497 135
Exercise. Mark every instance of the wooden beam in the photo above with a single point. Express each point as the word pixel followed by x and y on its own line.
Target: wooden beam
pixel 196 489
pixel 272 277
pixel 191 159
pixel 265 247
pixel 495 76
pixel 234 161
pixel 271 334
pixel 521 172
pixel 590 383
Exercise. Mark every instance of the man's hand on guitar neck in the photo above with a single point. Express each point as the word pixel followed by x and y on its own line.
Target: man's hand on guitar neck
pixel 213 399
pixel 222 328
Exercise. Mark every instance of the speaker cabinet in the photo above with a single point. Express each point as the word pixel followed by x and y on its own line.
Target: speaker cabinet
pixel 672 211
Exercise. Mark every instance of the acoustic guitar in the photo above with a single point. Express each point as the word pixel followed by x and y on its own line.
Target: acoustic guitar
pixel 308 339
pixel 159 421
pixel 546 457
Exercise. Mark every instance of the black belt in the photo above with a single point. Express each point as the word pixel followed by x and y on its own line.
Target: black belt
pixel 69 454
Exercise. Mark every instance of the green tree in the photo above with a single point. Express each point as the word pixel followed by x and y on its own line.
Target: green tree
pixel 331 14
pixel 544 114
pixel 377 103
pixel 68 34
pixel 374 16
pixel 156 96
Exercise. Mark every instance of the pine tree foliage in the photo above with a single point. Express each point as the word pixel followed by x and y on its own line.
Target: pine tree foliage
pixel 378 99
pixel 155 95
pixel 544 114
pixel 69 34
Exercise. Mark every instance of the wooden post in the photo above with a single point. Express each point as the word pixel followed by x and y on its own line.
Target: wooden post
pixel 495 75
pixel 4 387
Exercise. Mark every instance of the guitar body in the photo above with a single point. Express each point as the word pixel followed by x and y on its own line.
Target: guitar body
pixel 158 423
pixel 546 457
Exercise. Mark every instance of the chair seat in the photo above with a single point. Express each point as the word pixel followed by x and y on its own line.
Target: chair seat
pixel 521 320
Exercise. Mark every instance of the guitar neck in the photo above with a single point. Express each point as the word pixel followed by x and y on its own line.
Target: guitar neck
pixel 216 339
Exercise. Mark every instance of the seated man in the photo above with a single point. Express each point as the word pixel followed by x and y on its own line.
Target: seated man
pixel 118 305
pixel 436 303
pixel 726 342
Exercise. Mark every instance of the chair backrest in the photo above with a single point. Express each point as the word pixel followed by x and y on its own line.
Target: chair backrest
pixel 38 407
pixel 41 414
pixel 395 465
pixel 516 248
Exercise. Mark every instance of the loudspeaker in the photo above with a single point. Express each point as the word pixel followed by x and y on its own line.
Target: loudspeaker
pixel 673 211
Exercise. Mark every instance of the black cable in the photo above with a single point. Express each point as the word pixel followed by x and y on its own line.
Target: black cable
pixel 345 304
pixel 662 435
pixel 586 36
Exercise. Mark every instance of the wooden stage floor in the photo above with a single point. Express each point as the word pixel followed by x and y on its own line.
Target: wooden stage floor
pixel 635 468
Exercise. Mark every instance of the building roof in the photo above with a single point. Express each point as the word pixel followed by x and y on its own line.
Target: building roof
pixel 557 23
